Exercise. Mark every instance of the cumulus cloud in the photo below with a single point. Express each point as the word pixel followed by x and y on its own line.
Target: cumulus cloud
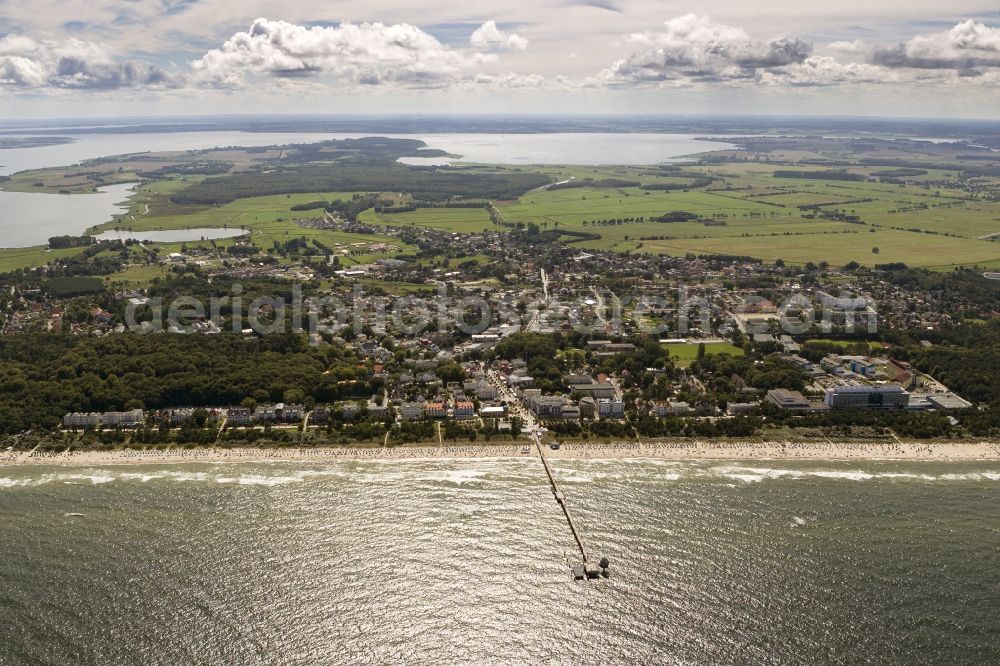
pixel 967 46
pixel 488 35
pixel 26 63
pixel 512 80
pixel 852 49
pixel 694 47
pixel 362 53
pixel 687 50
pixel 826 71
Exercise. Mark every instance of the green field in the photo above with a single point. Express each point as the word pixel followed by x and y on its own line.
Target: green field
pixel 751 212
pixel 844 344
pixel 745 210
pixel 151 210
pixel 684 354
pixel 268 219
pixel 137 275
pixel 913 249
pixel 461 220
pixel 11 259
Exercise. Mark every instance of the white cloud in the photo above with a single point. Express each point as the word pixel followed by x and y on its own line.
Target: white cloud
pixel 488 35
pixel 827 71
pixel 852 49
pixel 696 48
pixel 711 60
pixel 967 46
pixel 73 63
pixel 365 53
pixel 512 80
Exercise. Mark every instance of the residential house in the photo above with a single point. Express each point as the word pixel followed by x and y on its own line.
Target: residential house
pixel 435 410
pixel 279 413
pixel 377 410
pixel 411 411
pixel 239 416
pixel 464 409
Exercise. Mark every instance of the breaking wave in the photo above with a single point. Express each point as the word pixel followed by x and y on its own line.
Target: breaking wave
pixel 482 472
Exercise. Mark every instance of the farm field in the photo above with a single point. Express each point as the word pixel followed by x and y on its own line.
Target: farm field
pixel 760 215
pixel 268 219
pixel 930 218
pixel 746 211
pixel 12 259
pixel 913 249
pixel 461 220
pixel 150 210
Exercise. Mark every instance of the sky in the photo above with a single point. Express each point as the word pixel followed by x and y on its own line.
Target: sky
pixel 920 58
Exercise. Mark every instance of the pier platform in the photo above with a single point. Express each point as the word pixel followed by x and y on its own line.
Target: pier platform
pixel 587 568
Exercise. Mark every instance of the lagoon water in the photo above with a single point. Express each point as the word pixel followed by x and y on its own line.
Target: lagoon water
pixel 568 148
pixel 30 219
pixel 465 561
pixel 172 235
pixel 560 148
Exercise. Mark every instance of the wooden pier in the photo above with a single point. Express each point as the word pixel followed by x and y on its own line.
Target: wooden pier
pixel 587 568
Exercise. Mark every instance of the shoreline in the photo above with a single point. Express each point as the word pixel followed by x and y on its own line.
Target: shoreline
pixel 666 451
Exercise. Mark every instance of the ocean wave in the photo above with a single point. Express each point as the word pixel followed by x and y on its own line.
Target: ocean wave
pixel 45 479
pixel 492 473
pixel 457 477
pixel 142 478
pixel 753 474
pixel 906 475
pixel 758 474
pixel 852 475
pixel 576 477
pixel 96 478
pixel 972 476
pixel 258 480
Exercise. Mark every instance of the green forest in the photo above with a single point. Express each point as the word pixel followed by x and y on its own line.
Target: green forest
pixel 48 375
pixel 365 165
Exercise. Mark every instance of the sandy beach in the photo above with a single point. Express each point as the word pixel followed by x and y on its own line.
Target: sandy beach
pixel 685 450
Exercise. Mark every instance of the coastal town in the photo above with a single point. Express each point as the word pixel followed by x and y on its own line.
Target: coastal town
pixel 495 397
pixel 488 304
pixel 578 341
pixel 611 332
